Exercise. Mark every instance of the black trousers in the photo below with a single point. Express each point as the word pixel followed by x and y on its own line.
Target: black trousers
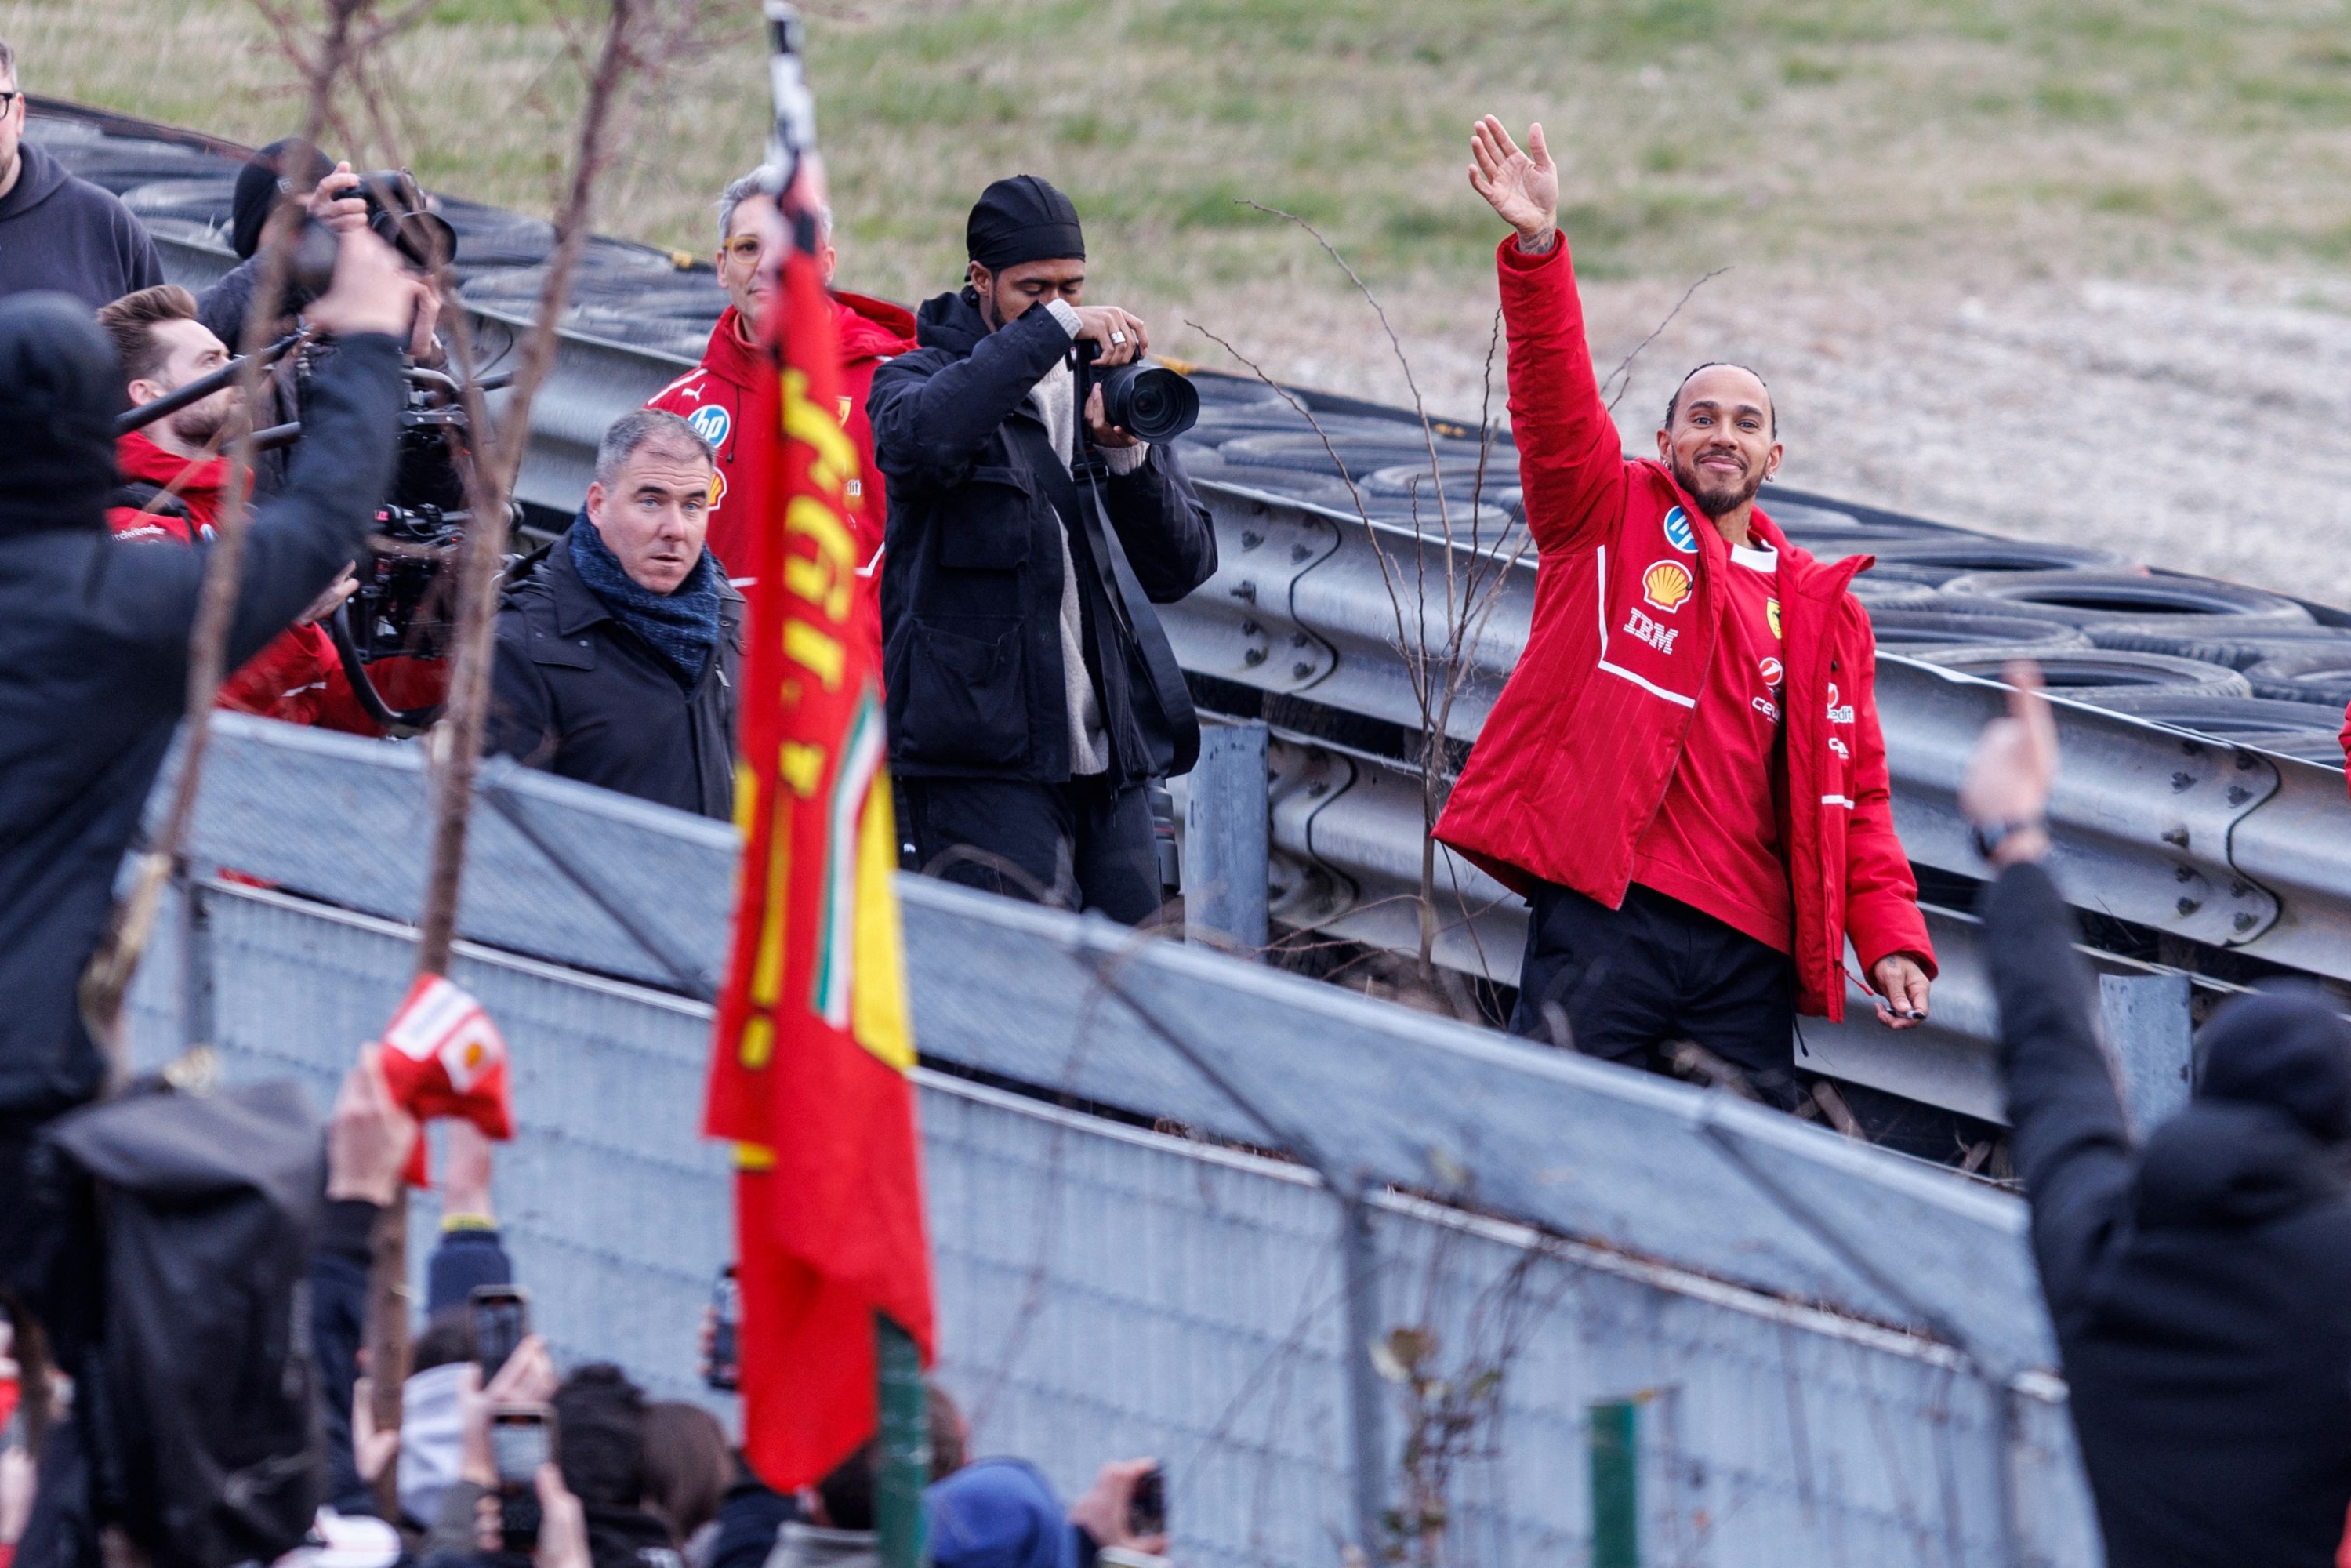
pixel 1628 984
pixel 1079 845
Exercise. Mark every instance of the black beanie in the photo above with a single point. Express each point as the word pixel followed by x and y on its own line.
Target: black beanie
pixel 292 160
pixel 60 389
pixel 1022 219
pixel 2287 1049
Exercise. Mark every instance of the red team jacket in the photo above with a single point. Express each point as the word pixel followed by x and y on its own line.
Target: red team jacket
pixel 297 678
pixel 710 398
pixel 1575 760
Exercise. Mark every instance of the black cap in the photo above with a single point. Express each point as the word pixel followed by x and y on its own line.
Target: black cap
pixel 292 160
pixel 1022 219
pixel 60 389
pixel 2286 1048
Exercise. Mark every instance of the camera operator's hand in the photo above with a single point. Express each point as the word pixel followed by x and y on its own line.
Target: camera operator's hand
pixel 1120 336
pixel 1104 431
pixel 422 346
pixel 335 201
pixel 528 1379
pixel 327 603
pixel 1522 187
pixel 563 1525
pixel 372 290
pixel 368 1136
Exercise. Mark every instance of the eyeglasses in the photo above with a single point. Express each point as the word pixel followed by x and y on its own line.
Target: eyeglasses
pixel 8 100
pixel 745 247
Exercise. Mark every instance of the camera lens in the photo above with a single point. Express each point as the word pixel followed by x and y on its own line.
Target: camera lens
pixel 1150 402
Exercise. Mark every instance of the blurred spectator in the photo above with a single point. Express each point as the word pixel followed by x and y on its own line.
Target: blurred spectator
pixel 617 655
pixel 688 1469
pixel 1001 1513
pixel 2199 1280
pixel 599 1422
pixel 712 396
pixel 59 233
pixel 176 477
pixel 1025 721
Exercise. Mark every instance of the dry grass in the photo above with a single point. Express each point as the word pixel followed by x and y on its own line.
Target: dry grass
pixel 1920 199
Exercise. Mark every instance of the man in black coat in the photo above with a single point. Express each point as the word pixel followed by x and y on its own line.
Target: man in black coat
pixel 59 233
pixel 2200 1281
pixel 1031 695
pixel 617 655
pixel 94 645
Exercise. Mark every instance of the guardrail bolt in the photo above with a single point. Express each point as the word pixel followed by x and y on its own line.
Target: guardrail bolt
pixel 1300 670
pixel 1251 629
pixel 1297 639
pixel 2238 794
pixel 1245 590
pixel 2175 837
pixel 2183 873
pixel 1251 538
pixel 2246 921
pixel 1299 553
pixel 2239 890
pixel 1317 789
pixel 2182 781
pixel 2187 905
pixel 2246 762
pixel 1254 657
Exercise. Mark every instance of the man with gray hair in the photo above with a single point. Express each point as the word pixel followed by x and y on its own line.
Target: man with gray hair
pixel 59 234
pixel 617 655
pixel 712 396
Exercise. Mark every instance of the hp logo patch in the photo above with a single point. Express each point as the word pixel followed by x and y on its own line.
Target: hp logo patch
pixel 1678 532
pixel 711 423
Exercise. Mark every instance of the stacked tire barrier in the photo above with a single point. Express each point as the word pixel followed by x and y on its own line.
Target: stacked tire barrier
pixel 2202 805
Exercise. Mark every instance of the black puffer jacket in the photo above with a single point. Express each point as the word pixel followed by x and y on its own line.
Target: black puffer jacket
pixel 2200 1285
pixel 971 585
pixel 577 693
pixel 94 652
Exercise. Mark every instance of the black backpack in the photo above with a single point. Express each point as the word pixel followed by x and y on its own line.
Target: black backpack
pixel 200 1398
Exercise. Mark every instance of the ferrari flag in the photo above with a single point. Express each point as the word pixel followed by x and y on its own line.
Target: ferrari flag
pixel 809 1073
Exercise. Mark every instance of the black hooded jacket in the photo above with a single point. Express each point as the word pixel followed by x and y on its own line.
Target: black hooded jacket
pixel 971 579
pixel 65 236
pixel 2199 1284
pixel 94 651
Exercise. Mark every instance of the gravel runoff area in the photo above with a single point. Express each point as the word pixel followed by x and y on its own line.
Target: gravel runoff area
pixel 2203 429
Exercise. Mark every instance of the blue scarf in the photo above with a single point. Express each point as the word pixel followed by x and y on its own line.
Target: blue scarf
pixel 682 625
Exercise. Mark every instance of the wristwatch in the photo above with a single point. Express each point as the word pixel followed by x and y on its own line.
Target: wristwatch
pixel 1990 836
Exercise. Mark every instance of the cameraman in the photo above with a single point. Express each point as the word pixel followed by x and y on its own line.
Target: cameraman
pixel 94 654
pixel 1022 714
pixel 176 477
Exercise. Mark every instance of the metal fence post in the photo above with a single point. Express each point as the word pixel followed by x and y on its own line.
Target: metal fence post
pixel 1224 836
pixel 1367 1398
pixel 2147 1028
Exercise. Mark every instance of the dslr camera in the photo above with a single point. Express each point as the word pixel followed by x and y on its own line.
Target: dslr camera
pixel 1148 402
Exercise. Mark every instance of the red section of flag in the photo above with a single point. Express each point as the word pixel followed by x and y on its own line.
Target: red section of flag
pixel 809 1064
pixel 444 1057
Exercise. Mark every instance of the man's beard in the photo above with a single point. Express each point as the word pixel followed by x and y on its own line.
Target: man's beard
pixel 1719 501
pixel 205 428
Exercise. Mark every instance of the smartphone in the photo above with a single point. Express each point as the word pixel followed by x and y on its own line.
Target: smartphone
pixel 522 1438
pixel 1146 1510
pixel 725 1312
pixel 500 1317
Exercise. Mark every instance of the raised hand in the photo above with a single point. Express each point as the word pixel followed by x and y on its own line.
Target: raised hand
pixel 1522 187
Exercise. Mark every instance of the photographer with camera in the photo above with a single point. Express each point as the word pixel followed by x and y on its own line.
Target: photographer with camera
pixel 94 661
pixel 617 655
pixel 175 475
pixel 1032 695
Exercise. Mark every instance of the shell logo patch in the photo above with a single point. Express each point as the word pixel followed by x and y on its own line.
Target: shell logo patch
pixel 1771 612
pixel 845 406
pixel 711 423
pixel 1769 668
pixel 1666 584
pixel 1678 532
pixel 718 487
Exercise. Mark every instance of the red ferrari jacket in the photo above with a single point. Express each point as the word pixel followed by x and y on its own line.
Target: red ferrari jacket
pixel 711 398
pixel 298 677
pixel 1575 760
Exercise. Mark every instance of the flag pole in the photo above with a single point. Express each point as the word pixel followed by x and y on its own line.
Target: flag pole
pixel 905 1460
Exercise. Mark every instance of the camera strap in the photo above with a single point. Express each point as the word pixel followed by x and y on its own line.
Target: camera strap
pixel 1174 741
